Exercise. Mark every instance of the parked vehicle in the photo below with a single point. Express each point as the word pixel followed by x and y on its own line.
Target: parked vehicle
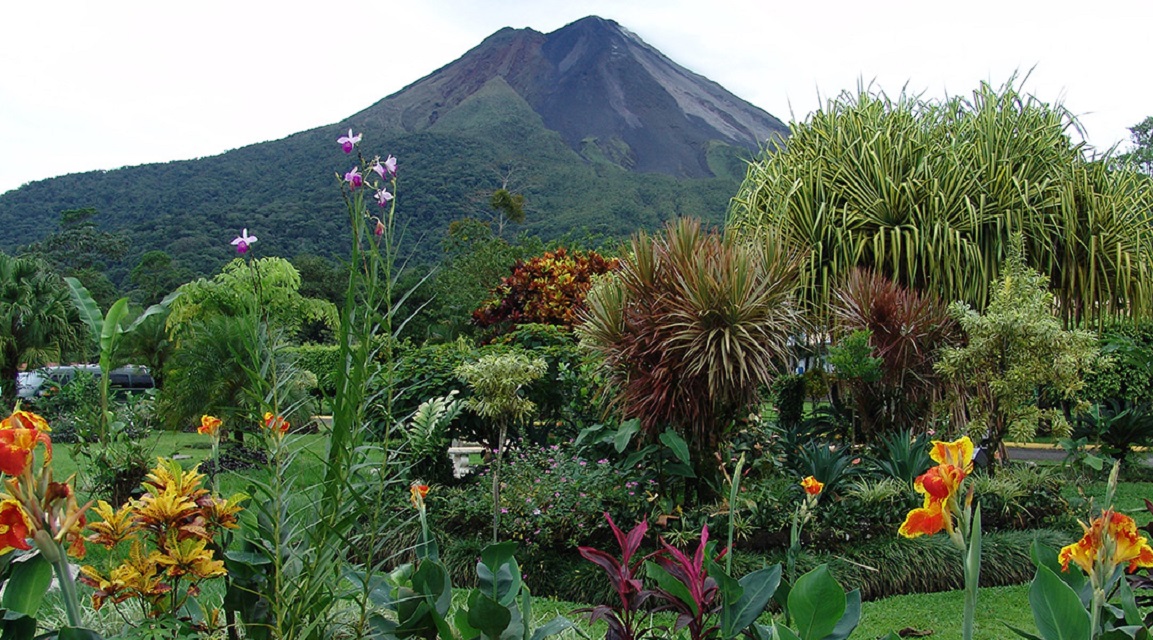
pixel 40 382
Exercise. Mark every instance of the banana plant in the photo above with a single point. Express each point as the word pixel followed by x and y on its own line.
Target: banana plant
pixel 107 330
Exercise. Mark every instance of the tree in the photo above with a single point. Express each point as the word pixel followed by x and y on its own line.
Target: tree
pixel 691 328
pixel 37 321
pixel 497 382
pixel 1015 349
pixel 79 249
pixel 929 194
pixel 1140 154
pixel 155 276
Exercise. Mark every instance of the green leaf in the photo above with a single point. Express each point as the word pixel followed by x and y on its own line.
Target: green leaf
pixel 159 307
pixel 1057 610
pixel 487 615
pixel 757 589
pixel 666 582
pixel 1075 578
pixel 432 580
pixel 848 622
pixel 27 586
pixel 781 632
pixel 17 626
pixel 625 434
pixel 1129 604
pixel 816 604
pixel 1023 633
pixel 677 445
pixel 77 633
pixel 498 572
pixel 87 308
pixel 111 330
pixel 552 627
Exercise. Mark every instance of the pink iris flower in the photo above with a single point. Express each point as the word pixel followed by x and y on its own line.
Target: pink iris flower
pixel 242 242
pixel 347 142
pixel 382 197
pixel 354 178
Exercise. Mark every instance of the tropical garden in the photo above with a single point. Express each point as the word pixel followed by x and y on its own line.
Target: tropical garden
pixel 810 423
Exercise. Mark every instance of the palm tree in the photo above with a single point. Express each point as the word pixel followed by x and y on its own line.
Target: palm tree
pixel 36 319
pixel 930 193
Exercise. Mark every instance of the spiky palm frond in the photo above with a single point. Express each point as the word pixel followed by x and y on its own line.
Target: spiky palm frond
pixel 929 193
pixel 36 319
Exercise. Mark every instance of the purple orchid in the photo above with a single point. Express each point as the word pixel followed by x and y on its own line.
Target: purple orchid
pixel 389 166
pixel 354 178
pixel 383 197
pixel 243 241
pixel 347 142
pixel 379 231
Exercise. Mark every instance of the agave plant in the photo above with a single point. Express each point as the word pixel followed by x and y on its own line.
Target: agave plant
pixel 691 327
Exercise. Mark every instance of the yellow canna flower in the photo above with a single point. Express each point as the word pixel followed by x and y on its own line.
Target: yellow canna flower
pixel 939 485
pixel 416 494
pixel 812 486
pixel 958 453
pixel 209 426
pixel 1130 548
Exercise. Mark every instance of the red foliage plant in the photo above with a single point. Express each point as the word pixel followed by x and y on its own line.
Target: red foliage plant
pixel 547 289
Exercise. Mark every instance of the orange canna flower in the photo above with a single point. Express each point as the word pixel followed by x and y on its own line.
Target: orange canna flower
pixel 812 486
pixel 209 426
pixel 16 445
pixel 276 423
pixel 958 453
pixel 15 527
pixel 1130 547
pixel 939 486
pixel 21 419
pixel 416 494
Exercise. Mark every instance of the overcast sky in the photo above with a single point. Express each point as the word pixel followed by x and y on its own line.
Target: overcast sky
pixel 99 85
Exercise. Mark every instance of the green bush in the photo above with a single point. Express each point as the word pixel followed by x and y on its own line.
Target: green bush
pixel 322 360
pixel 1129 346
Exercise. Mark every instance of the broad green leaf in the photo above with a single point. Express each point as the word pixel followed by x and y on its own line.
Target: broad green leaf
pixel 87 308
pixel 552 628
pixel 27 586
pixel 1129 604
pixel 487 615
pixel 111 329
pixel 1057 610
pixel 432 580
pixel 781 632
pixel 1074 577
pixel 16 626
pixel 757 589
pixel 677 445
pixel 848 622
pixel 498 572
pixel 1023 633
pixel 666 582
pixel 159 307
pixel 625 434
pixel 816 604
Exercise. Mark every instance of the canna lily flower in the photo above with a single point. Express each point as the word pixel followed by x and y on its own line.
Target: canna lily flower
pixel 15 527
pixel 940 486
pixel 958 453
pixel 348 141
pixel 209 426
pixel 354 178
pixel 1129 548
pixel 417 492
pixel 243 241
pixel 812 486
pixel 16 445
pixel 21 419
pixel 383 197
pixel 276 424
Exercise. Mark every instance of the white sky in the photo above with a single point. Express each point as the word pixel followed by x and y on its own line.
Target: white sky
pixel 88 84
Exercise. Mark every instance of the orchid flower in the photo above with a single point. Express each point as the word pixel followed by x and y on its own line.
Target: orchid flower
pixel 347 142
pixel 242 241
pixel 389 166
pixel 354 178
pixel 383 197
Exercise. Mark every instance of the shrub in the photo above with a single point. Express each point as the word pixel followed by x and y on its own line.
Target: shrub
pixel 322 360
pixel 548 289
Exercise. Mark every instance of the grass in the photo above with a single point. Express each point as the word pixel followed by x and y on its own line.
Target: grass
pixel 941 614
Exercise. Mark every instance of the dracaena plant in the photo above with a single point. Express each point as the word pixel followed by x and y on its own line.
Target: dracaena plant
pixel 625 576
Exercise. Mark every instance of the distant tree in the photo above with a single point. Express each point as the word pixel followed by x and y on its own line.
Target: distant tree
pixel 155 276
pixel 1140 154
pixel 321 278
pixel 508 207
pixel 79 249
pixel 37 320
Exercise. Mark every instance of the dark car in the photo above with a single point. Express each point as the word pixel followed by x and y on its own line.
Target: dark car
pixel 34 384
